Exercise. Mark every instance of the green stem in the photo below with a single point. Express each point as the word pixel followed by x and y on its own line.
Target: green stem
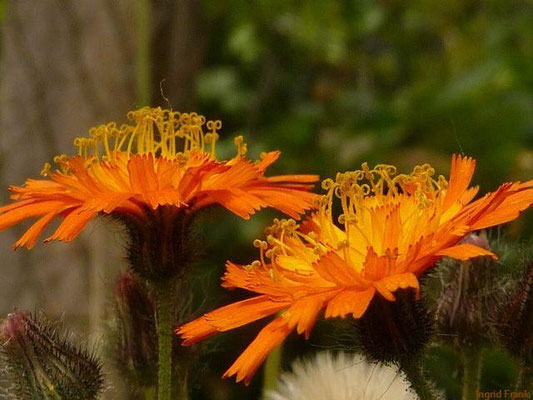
pixel 472 359
pixel 272 369
pixel 143 14
pixel 419 383
pixel 164 292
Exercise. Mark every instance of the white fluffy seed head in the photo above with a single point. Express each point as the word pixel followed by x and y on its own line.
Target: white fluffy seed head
pixel 341 377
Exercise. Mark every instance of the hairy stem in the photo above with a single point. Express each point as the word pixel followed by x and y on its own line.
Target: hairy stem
pixel 419 383
pixel 164 292
pixel 472 359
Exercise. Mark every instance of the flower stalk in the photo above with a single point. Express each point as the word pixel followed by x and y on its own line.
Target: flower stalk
pixel 419 383
pixel 164 303
pixel 160 253
pixel 140 339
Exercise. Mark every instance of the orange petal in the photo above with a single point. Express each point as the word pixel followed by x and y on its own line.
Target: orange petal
pixel 237 201
pixel 243 312
pixel 143 178
pixel 460 176
pixel 466 251
pixel 32 234
pixel 238 175
pixel 16 204
pixel 267 160
pixel 293 178
pixel 350 302
pixel 16 215
pixel 392 283
pixel 502 211
pixel 229 317
pixel 292 202
pixel 196 331
pixel 235 276
pixel 334 269
pixel 72 225
pixel 304 312
pixel 376 267
pixel 270 337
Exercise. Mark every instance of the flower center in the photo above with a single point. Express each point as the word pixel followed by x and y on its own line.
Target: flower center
pixel 372 188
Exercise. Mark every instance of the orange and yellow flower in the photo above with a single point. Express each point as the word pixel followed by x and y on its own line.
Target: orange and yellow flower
pixel 393 227
pixel 163 159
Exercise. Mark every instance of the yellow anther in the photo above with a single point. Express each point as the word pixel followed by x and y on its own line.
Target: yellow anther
pixel 383 182
pixel 46 169
pixel 318 250
pixel 166 133
pixel 242 148
pixel 327 183
pixel 260 244
pixel 62 161
pixel 343 244
pixel 442 182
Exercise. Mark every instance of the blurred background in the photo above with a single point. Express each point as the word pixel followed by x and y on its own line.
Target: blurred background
pixel 330 83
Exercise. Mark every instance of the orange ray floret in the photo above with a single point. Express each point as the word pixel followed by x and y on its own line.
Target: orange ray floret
pixel 163 159
pixel 393 227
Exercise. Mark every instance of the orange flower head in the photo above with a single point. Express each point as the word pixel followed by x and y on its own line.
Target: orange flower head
pixel 161 161
pixel 392 228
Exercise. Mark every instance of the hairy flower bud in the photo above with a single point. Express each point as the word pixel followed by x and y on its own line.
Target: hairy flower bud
pixel 514 322
pixel 469 294
pixel 136 339
pixel 43 363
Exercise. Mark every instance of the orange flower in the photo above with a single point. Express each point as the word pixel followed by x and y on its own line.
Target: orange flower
pixel 164 159
pixel 392 229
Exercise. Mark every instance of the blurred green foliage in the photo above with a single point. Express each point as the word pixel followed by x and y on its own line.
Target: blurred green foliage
pixel 333 84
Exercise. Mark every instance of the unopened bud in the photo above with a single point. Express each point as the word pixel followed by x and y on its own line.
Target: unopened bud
pixel 43 363
pixel 134 336
pixel 469 294
pixel 514 322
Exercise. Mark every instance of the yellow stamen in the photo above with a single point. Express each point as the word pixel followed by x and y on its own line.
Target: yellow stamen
pixel 46 169
pixel 164 133
pixel 242 148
